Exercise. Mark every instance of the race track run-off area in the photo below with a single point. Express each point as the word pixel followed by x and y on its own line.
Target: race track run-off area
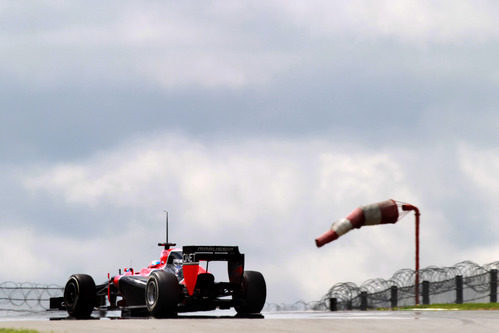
pixel 348 321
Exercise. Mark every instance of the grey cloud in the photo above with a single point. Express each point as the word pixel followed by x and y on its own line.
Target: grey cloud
pixel 68 97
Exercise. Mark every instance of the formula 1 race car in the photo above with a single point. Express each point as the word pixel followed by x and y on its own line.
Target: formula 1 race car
pixel 174 283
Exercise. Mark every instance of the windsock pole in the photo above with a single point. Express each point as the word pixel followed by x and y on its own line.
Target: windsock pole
pixel 408 207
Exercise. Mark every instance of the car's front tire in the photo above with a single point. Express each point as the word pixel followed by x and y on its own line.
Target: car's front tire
pixel 251 298
pixel 80 295
pixel 162 294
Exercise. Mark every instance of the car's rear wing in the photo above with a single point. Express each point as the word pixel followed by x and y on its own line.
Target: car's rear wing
pixel 211 253
pixel 194 253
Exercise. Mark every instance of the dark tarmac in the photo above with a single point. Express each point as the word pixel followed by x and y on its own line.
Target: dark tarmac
pixel 351 321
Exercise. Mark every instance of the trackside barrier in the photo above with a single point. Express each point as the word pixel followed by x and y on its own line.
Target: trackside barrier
pixel 465 282
pixel 479 285
pixel 27 296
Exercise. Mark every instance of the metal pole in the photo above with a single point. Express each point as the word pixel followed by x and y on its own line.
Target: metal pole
pixel 426 292
pixel 493 285
pixel 408 207
pixel 333 304
pixel 459 289
pixel 393 296
pixel 417 256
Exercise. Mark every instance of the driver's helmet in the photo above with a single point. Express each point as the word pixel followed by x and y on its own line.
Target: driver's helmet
pixel 174 263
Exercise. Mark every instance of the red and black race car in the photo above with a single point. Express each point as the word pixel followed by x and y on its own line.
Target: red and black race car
pixel 174 283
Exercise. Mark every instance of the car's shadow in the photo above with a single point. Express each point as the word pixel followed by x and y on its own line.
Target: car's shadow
pixel 237 316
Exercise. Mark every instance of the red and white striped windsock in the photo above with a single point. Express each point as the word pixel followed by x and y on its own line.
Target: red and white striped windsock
pixel 378 213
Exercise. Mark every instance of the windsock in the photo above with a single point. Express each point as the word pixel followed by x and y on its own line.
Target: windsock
pixel 378 213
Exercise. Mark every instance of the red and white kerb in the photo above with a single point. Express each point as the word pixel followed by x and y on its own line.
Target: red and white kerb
pixel 379 213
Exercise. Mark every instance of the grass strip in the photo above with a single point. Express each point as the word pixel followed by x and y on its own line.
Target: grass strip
pixel 466 306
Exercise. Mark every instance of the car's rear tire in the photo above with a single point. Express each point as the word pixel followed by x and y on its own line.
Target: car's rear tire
pixel 162 294
pixel 80 295
pixel 252 295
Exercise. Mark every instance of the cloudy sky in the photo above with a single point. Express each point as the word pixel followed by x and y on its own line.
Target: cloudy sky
pixel 254 124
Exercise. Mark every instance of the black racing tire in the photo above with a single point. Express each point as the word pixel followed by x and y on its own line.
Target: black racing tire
pixel 252 295
pixel 162 294
pixel 80 296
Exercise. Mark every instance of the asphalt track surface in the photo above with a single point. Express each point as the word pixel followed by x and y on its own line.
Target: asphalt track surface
pixel 351 321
